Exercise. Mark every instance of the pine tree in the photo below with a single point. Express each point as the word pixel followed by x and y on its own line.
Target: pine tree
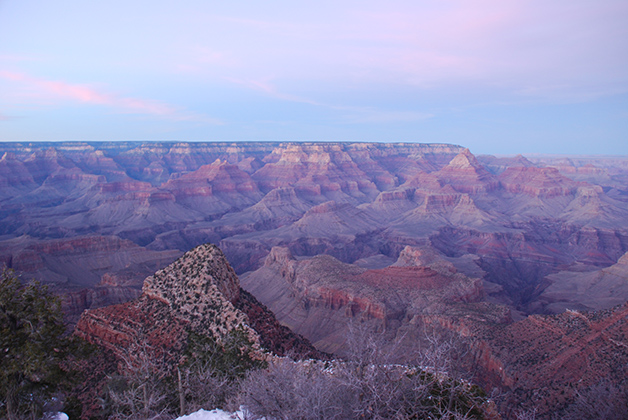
pixel 32 347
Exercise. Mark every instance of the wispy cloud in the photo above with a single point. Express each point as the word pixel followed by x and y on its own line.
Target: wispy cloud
pixel 484 44
pixel 4 117
pixel 89 95
pixel 270 90
pixel 371 115
pixel 351 114
pixel 16 58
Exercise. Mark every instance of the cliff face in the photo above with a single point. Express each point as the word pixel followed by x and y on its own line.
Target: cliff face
pixel 197 293
pixel 549 360
pixel 402 297
pixel 395 235
pixel 537 182
pixel 95 219
pixel 353 201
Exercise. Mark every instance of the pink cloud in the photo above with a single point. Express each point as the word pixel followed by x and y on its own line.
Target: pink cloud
pixel 89 95
pixel 17 58
pixel 507 45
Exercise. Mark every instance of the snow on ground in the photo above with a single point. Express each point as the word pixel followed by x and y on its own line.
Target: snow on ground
pixel 213 415
pixel 57 416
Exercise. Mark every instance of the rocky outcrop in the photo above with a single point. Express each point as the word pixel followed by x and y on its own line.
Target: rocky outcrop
pixel 302 292
pixel 140 328
pixel 424 257
pixel 198 293
pixel 467 175
pixel 549 360
pixel 195 293
pixel 537 182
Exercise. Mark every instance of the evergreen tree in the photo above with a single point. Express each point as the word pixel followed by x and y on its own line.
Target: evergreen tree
pixel 32 347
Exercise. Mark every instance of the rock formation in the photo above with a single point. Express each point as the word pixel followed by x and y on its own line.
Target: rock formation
pixel 396 235
pixel 320 297
pixel 523 219
pixel 198 293
pixel 547 361
pixel 539 363
pixel 585 290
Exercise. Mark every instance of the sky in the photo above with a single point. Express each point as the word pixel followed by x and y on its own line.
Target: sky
pixel 497 76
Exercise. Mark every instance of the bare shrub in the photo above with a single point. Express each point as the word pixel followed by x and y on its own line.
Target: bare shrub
pixel 212 370
pixel 604 400
pixel 365 386
pixel 294 391
pixel 526 414
pixel 149 387
pixel 140 391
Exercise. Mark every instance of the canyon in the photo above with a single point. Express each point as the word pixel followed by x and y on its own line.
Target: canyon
pixel 199 294
pixel 94 219
pixel 397 236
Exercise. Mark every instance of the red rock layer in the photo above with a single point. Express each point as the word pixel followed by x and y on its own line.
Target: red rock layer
pixel 548 360
pixel 537 182
pixel 465 174
pixel 195 293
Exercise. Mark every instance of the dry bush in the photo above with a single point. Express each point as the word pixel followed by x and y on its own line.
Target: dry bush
pixel 604 400
pixel 294 391
pixel 368 385
pixel 140 391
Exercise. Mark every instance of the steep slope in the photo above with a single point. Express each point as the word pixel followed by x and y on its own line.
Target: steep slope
pixel 319 297
pixel 467 175
pixel 198 293
pixel 588 290
pixel 548 360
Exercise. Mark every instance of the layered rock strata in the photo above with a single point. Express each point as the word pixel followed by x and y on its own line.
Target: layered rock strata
pixel 525 219
pixel 198 293
pixel 320 297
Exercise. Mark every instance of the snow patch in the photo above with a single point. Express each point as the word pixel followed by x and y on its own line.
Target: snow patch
pixel 215 414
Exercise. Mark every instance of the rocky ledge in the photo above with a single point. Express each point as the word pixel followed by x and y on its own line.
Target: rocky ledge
pixel 198 293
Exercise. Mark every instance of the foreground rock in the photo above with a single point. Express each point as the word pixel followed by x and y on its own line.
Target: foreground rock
pixel 198 293
pixel 548 362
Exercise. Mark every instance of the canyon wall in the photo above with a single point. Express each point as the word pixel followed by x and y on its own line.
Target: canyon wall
pixel 94 219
